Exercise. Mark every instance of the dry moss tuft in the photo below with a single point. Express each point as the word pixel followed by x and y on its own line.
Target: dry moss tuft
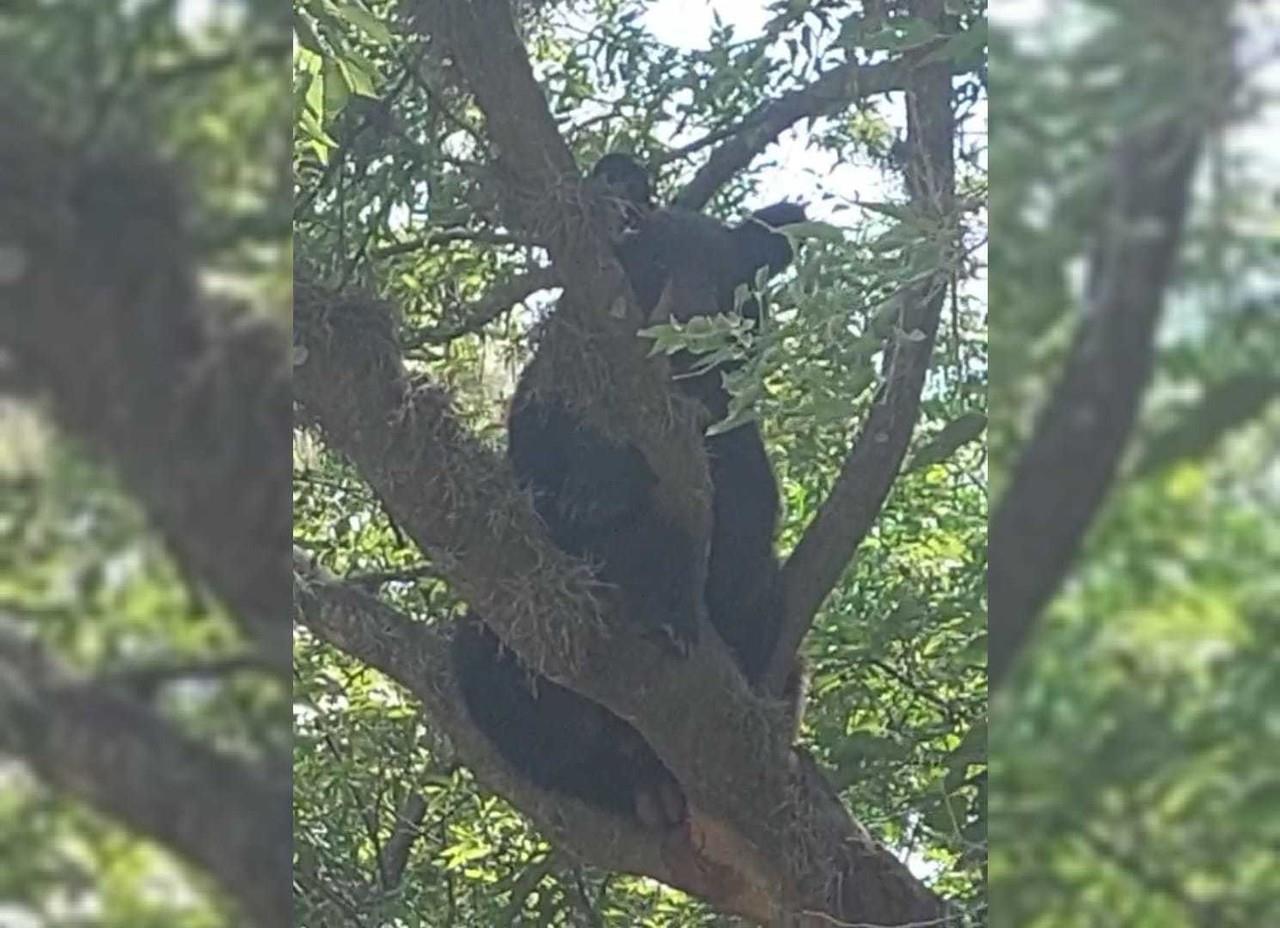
pixel 475 501
pixel 360 325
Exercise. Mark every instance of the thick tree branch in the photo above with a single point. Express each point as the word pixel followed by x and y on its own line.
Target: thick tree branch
pixel 534 160
pixel 417 656
pixel 610 380
pixel 590 358
pixel 868 473
pixel 1225 406
pixel 457 500
pixel 1064 472
pixel 131 765
pixel 467 515
pixel 452 495
pixel 875 887
pixel 99 313
pixel 830 93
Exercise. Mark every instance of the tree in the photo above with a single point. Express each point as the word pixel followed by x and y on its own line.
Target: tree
pixel 467 107
pixel 144 652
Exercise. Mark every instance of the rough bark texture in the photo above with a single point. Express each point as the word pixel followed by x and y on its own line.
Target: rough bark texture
pixel 542 195
pixel 127 762
pixel 417 656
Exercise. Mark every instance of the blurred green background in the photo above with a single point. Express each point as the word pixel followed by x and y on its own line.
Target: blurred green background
pixel 1136 750
pixel 205 86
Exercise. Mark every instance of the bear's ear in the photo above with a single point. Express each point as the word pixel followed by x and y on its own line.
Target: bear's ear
pixel 757 245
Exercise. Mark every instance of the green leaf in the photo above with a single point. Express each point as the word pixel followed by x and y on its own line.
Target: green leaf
pixel 899 235
pixel 305 32
pixel 312 129
pixel 336 91
pixel 971 750
pixel 961 47
pixel 902 34
pixel 732 421
pixel 814 230
pixel 899 211
pixel 356 77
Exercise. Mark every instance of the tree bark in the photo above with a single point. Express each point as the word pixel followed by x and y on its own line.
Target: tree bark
pixel 131 765
pixel 851 876
pixel 458 502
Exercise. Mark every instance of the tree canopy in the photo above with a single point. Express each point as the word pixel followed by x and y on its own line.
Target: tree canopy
pixel 435 224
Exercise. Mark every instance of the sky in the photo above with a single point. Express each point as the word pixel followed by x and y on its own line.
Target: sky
pixel 796 172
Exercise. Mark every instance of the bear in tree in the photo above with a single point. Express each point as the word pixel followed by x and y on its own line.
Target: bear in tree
pixel 596 498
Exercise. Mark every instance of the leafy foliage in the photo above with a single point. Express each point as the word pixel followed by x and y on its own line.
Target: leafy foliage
pixel 394 192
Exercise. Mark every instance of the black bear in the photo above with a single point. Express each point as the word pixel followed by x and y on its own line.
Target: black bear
pixel 596 498
pixel 559 739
